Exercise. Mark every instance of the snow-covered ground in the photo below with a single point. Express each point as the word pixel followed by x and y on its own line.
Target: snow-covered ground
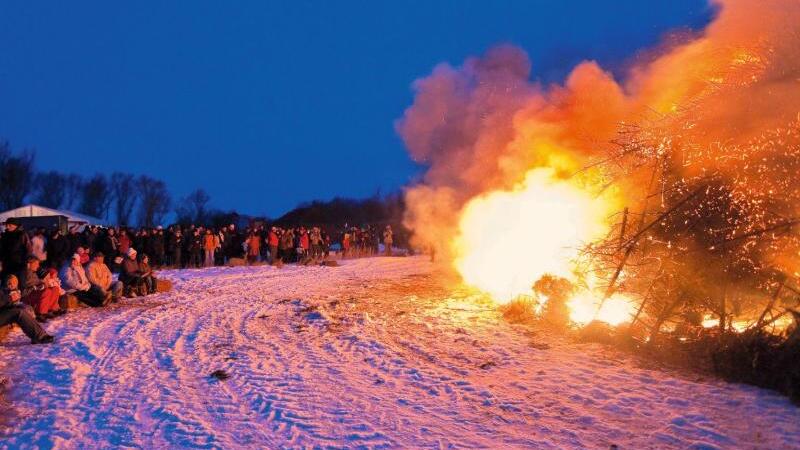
pixel 376 353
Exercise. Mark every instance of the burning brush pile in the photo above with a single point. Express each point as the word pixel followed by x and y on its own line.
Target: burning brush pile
pixel 666 204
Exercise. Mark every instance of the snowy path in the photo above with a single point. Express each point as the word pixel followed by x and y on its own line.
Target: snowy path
pixel 373 354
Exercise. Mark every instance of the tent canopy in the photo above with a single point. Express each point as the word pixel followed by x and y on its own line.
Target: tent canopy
pixel 74 219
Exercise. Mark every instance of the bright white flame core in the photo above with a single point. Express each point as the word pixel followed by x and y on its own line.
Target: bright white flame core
pixel 509 239
pixel 583 308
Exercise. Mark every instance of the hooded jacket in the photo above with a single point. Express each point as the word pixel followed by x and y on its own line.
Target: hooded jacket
pixel 74 278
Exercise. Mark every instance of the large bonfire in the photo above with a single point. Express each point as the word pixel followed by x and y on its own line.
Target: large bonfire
pixel 667 199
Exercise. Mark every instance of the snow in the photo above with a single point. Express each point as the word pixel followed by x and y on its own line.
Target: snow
pixel 376 353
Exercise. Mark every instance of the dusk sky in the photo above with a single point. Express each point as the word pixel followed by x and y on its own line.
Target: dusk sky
pixel 267 104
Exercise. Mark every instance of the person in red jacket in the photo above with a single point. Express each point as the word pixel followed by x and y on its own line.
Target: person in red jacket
pixel 41 295
pixel 13 311
pixel 272 242
pixel 124 242
pixel 304 242
pixel 253 247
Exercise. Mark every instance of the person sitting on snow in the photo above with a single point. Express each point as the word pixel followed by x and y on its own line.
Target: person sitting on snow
pixel 131 275
pixel 77 283
pixel 99 276
pixel 148 275
pixel 41 295
pixel 12 311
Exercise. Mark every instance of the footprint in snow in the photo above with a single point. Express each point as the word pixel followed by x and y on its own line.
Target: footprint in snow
pixel 220 375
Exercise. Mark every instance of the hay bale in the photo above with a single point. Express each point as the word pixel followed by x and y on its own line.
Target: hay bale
pixel 236 262
pixel 163 285
pixel 68 301
pixel 4 332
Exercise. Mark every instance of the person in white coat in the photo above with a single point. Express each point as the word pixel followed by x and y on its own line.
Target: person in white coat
pixel 77 283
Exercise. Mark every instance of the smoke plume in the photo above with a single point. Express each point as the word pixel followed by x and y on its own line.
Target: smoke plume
pixel 483 125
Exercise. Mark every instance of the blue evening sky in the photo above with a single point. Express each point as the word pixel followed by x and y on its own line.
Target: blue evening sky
pixel 265 104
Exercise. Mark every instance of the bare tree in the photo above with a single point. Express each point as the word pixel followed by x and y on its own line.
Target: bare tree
pixel 48 189
pixel 96 197
pixel 183 212
pixel 125 194
pixel 154 201
pixel 73 186
pixel 193 207
pixel 16 176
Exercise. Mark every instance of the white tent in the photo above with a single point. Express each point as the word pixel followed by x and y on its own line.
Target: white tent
pixel 73 218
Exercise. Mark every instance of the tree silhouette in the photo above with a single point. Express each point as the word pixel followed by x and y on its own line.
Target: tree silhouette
pixel 96 197
pixel 154 201
pixel 125 194
pixel 16 176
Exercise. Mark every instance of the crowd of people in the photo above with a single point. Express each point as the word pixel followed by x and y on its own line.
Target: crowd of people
pixel 39 268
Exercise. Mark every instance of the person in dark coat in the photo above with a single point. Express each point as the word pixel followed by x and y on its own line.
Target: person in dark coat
pixel 91 238
pixel 174 246
pixel 131 275
pixel 12 311
pixel 57 250
pixel 159 250
pixel 147 274
pixel 75 240
pixel 109 245
pixel 195 248
pixel 15 245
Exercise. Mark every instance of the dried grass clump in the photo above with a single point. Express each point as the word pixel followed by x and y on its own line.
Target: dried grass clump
pixel 520 310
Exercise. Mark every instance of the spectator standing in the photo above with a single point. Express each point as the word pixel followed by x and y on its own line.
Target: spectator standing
pixel 253 247
pixel 388 240
pixel 38 242
pixel 57 249
pixel 209 247
pixel 14 248
pixel 272 243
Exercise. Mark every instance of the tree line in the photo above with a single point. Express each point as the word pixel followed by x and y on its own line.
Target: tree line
pixel 126 199
pixel 123 198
